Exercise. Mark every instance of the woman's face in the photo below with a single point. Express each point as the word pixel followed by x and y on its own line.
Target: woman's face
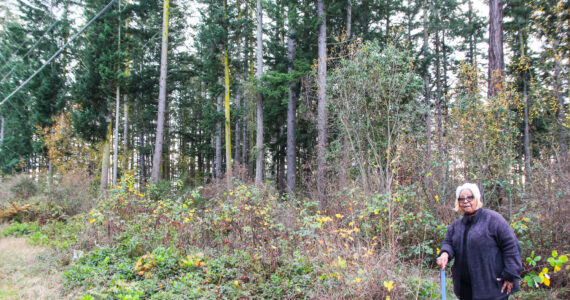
pixel 467 201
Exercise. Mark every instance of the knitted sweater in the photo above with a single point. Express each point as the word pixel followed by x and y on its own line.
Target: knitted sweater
pixel 489 250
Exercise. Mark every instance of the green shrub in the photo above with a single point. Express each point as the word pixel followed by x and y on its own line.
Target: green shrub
pixel 38 239
pixel 20 229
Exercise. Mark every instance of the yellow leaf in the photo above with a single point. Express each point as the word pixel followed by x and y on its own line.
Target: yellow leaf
pixel 389 285
pixel 556 269
pixel 236 283
pixel 339 216
pixel 437 251
pixel 437 198
pixel 341 262
pixel 91 220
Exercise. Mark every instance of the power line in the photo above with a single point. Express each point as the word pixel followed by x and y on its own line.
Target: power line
pixel 24 42
pixel 27 53
pixel 59 51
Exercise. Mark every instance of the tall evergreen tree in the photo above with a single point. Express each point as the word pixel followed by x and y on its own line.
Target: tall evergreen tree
pixel 322 112
pixel 157 159
pixel 259 161
pixel 97 77
pixel 292 104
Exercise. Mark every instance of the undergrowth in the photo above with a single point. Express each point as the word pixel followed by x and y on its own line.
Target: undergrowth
pixel 169 242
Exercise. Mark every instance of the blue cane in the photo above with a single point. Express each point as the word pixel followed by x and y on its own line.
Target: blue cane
pixel 442 275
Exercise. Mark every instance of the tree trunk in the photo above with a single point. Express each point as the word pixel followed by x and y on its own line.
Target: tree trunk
pixel 438 115
pixel 348 19
pixel 526 131
pixel 259 139
pixel 2 129
pixel 427 94
pixel 342 174
pixel 471 35
pixel 281 164
pixel 237 155
pixel 126 153
pixel 291 111
pixel 496 58
pixel 528 169
pixel 166 164
pixel 141 138
pixel 245 139
pixel 156 162
pixel 218 168
pixel 117 114
pixel 558 90
pixel 322 113
pixel 141 159
pixel 105 158
pixel 200 158
pixel 125 132
pixel 227 123
pixel 116 135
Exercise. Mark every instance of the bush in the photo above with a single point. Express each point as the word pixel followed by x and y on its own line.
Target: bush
pixel 23 187
pixel 20 229
pixel 15 212
pixel 73 194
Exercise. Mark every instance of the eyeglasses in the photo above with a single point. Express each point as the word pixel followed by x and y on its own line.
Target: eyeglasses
pixel 469 198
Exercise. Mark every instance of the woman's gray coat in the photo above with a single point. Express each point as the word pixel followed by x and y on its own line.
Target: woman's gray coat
pixel 490 250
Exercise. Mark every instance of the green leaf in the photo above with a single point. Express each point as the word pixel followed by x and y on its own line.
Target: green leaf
pixel 554 253
pixel 563 259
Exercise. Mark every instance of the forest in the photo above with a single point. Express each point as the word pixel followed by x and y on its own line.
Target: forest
pixel 278 149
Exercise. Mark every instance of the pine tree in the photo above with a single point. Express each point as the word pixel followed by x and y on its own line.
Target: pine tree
pixel 322 114
pixel 259 161
pixel 292 104
pixel 157 159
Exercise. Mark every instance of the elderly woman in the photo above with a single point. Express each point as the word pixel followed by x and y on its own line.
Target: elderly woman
pixel 486 251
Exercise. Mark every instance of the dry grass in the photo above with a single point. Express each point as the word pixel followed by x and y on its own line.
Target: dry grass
pixel 23 274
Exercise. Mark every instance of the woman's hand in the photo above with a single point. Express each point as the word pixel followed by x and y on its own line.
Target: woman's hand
pixel 442 260
pixel 507 285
